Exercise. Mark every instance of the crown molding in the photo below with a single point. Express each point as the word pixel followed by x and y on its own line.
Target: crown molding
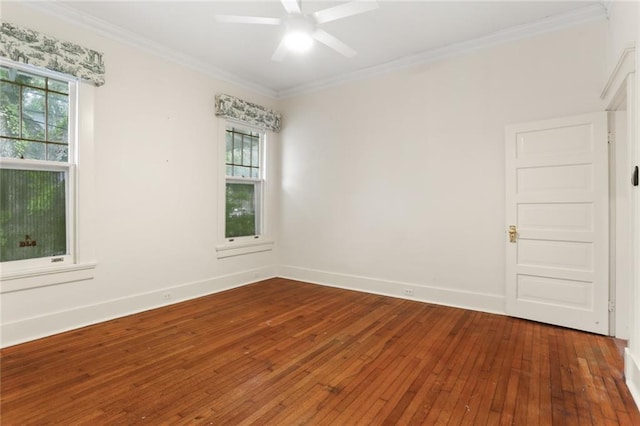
pixel 104 28
pixel 580 16
pixel 593 13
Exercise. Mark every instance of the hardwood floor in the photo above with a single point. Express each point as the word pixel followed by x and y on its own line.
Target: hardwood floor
pixel 284 352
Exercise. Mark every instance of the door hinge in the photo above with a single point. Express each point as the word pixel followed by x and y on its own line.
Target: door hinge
pixel 612 306
pixel 609 137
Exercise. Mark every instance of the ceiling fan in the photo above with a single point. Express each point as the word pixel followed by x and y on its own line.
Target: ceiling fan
pixel 302 29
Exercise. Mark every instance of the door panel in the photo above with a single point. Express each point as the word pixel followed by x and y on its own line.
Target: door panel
pixel 556 254
pixel 573 294
pixel 556 179
pixel 551 142
pixel 556 196
pixel 556 217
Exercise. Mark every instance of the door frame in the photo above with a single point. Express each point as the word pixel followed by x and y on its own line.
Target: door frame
pixel 622 89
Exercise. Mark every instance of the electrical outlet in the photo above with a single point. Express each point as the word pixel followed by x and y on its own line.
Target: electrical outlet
pixel 166 296
pixel 408 292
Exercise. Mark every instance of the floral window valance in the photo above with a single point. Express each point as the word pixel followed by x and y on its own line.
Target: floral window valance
pixel 231 107
pixel 31 47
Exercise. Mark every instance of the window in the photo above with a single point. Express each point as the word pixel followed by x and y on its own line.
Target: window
pixel 243 223
pixel 243 184
pixel 36 167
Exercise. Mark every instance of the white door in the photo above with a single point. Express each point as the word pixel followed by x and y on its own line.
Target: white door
pixel 557 199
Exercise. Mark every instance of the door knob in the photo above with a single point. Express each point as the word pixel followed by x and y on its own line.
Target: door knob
pixel 513 234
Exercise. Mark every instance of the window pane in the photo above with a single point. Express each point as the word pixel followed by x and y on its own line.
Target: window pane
pixel 237 148
pixel 9 111
pixel 239 171
pixel 57 152
pixel 16 148
pixel 30 79
pixel 240 211
pixel 32 214
pixel 59 86
pixel 246 151
pixel 7 148
pixel 33 101
pixel 255 153
pixel 229 148
pixel 58 118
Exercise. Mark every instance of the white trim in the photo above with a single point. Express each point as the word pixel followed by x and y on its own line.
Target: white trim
pixel 239 248
pixel 583 15
pixel 46 276
pixel 122 35
pixel 43 72
pixel 632 375
pixel 46 325
pixel 580 16
pixel 625 66
pixel 423 293
pixel 27 164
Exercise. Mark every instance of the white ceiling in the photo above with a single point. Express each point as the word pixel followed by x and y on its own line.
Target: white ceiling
pixel 396 34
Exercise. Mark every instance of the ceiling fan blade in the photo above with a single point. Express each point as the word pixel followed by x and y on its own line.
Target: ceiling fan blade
pixel 280 52
pixel 291 6
pixel 332 42
pixel 233 19
pixel 344 10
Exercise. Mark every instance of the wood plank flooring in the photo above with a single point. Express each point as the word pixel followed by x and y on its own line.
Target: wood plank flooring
pixel 283 352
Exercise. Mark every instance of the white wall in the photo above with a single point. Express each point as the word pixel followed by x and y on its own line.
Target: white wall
pixel 622 29
pixel 398 181
pixel 155 192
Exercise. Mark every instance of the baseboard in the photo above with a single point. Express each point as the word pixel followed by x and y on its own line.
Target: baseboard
pixel 632 375
pixel 46 325
pixel 441 296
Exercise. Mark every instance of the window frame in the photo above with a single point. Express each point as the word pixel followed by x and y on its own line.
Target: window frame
pixel 70 213
pixel 29 273
pixel 262 240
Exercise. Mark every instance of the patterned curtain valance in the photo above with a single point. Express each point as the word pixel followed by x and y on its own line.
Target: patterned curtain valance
pixel 31 47
pixel 231 107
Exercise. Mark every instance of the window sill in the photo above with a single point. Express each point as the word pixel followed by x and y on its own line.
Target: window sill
pixel 237 249
pixel 43 277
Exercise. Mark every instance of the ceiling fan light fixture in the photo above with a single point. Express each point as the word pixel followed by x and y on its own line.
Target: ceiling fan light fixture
pixel 298 41
pixel 302 29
